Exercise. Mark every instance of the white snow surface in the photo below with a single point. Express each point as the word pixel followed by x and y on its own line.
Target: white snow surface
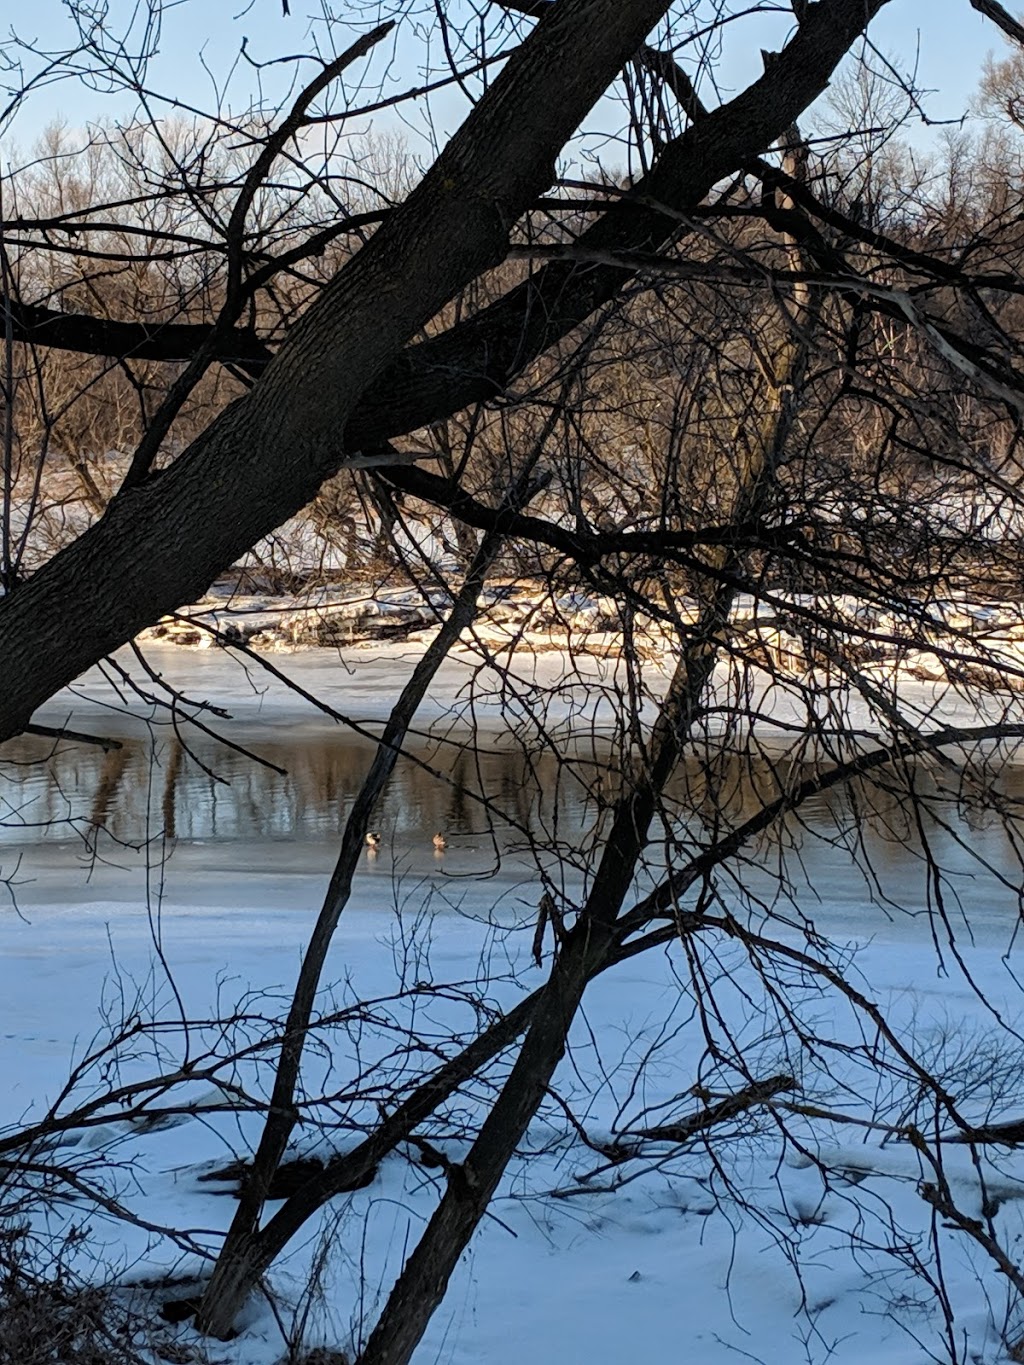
pixel 669 1267
pixel 583 692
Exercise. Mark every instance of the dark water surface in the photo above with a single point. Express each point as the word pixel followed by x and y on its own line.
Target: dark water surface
pixel 70 809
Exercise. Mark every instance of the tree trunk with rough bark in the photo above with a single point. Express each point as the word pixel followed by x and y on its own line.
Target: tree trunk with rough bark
pixel 340 383
pixel 160 545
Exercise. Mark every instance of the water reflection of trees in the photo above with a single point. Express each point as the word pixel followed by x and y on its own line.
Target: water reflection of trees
pixel 161 786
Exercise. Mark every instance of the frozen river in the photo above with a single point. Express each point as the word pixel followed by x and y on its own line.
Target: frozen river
pixel 177 870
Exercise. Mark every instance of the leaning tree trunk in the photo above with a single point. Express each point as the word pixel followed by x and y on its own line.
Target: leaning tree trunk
pixel 160 545
pixel 424 1278
pixel 266 456
pixel 423 1282
pixel 239 1264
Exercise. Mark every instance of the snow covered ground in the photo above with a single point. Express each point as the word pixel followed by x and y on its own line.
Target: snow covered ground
pixel 743 1249
pixel 666 1268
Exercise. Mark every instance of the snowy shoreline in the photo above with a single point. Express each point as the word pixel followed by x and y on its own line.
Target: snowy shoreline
pixel 578 696
pixel 600 1276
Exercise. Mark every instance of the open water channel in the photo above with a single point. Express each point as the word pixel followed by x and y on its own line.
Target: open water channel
pixel 205 819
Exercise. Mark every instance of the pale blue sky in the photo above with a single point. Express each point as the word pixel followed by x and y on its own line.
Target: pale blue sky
pixel 951 39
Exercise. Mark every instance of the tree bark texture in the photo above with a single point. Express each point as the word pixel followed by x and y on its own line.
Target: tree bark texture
pixel 330 388
pixel 160 545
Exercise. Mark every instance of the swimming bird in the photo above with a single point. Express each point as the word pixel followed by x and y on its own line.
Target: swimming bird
pixel 373 839
pixel 440 842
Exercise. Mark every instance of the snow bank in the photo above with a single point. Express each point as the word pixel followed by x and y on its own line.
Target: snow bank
pixel 747 1249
